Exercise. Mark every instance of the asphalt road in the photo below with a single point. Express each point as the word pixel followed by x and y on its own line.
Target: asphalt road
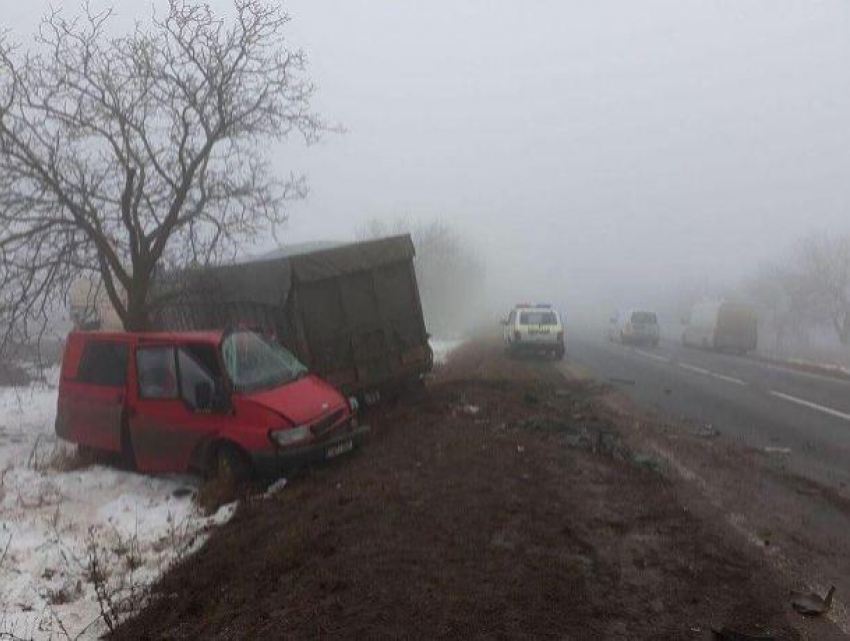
pixel 801 419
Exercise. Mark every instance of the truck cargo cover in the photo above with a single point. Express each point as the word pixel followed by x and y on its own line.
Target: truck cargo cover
pixel 268 281
pixel 346 259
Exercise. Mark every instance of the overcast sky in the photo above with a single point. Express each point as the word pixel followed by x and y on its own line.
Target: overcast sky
pixel 614 148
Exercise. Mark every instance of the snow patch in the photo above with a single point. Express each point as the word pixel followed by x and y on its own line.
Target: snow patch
pixel 442 349
pixel 62 527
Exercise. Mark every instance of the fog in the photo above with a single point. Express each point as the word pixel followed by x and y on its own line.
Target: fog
pixel 596 154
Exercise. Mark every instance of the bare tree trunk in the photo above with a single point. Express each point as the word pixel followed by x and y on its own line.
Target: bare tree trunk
pixel 137 315
pixel 842 328
pixel 124 153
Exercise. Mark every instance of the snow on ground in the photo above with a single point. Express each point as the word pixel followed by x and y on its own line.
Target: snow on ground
pixel 442 349
pixel 68 531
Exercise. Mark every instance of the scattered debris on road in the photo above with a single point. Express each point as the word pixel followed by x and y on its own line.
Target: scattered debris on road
pixel 810 604
pixel 707 431
pixel 777 450
pixel 728 634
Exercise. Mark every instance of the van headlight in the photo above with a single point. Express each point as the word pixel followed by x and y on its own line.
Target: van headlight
pixel 291 435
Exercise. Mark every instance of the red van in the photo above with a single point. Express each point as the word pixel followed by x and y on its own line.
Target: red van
pixel 230 403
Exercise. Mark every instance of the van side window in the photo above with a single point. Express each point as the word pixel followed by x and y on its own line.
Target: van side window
pixel 103 363
pixel 157 372
pixel 198 364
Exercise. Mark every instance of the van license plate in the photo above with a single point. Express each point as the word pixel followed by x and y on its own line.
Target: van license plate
pixel 340 448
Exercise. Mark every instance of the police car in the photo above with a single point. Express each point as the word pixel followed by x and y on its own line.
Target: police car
pixel 534 328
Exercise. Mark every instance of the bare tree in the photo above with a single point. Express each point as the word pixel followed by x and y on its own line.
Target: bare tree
pixel 825 267
pixel 784 302
pixel 122 155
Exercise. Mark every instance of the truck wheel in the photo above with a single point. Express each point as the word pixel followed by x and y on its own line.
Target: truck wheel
pixel 231 465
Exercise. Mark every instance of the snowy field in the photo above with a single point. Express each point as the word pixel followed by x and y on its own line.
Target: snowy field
pixel 76 539
pixel 442 349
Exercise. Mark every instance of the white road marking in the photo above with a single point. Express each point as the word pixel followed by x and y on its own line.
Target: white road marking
pixel 809 404
pixel 729 379
pixel 797 372
pixel 694 368
pixel 657 357
pixel 708 372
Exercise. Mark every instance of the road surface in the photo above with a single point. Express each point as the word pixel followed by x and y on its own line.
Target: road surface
pixel 802 419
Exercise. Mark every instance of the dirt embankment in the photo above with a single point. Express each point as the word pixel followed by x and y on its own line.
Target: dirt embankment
pixel 499 503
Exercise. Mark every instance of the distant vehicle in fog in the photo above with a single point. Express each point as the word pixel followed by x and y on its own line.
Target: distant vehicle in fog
pixel 634 327
pixel 535 329
pixel 722 326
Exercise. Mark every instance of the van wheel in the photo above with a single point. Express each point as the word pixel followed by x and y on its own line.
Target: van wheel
pixel 231 465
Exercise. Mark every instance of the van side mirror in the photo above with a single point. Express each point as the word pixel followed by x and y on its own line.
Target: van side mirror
pixel 203 396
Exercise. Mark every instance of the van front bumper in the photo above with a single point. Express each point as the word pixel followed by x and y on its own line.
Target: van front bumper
pixel 530 347
pixel 275 463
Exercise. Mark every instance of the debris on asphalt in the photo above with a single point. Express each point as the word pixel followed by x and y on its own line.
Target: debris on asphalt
pixel 707 431
pixel 729 634
pixel 777 450
pixel 647 462
pixel 276 487
pixel 810 604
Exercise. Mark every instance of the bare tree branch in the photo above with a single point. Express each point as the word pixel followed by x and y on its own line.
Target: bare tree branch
pixel 121 154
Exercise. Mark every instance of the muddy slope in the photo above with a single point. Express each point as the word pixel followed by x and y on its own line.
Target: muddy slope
pixel 496 504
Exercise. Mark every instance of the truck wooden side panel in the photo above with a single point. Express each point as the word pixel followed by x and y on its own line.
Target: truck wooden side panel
pixel 352 312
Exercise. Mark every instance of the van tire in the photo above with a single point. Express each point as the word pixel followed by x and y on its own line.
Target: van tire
pixel 231 465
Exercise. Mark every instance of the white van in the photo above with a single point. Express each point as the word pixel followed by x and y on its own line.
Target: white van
pixel 722 326
pixel 534 329
pixel 635 327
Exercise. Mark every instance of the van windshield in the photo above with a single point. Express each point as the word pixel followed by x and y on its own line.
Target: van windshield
pixel 254 363
pixel 538 318
pixel 644 318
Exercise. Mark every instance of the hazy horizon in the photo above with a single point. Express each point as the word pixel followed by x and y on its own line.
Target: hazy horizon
pixel 609 151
